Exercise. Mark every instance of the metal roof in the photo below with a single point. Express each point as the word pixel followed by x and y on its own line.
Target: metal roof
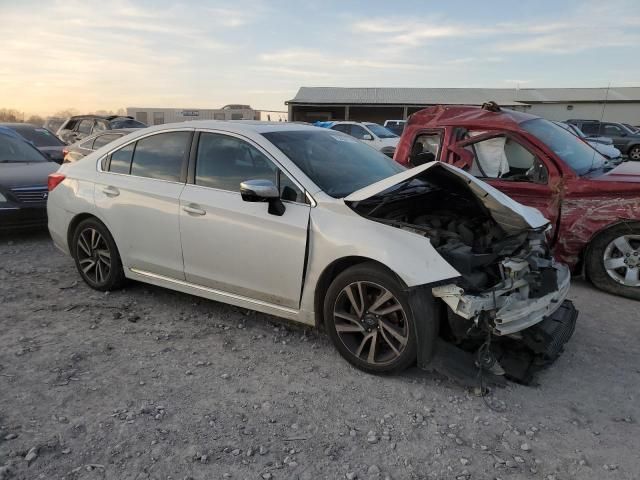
pixel 460 96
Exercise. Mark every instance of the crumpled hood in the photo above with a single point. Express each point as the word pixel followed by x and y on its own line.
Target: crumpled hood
pixel 512 216
pixel 628 172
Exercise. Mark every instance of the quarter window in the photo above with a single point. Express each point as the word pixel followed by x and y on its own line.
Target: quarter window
pixel 121 159
pixel 224 162
pixel 161 156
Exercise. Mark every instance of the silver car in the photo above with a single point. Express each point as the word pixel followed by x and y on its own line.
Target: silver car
pixel 312 225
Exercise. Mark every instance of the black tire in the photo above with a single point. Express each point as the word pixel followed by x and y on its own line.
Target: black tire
pixel 373 279
pixel 107 273
pixel 634 153
pixel 602 245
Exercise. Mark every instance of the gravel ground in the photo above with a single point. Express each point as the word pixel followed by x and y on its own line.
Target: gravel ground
pixel 148 383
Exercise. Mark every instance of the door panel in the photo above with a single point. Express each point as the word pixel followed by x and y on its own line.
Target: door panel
pixel 142 211
pixel 143 216
pixel 239 248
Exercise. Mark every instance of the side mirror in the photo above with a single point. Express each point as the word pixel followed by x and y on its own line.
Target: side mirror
pixel 262 190
pixel 623 134
pixel 366 136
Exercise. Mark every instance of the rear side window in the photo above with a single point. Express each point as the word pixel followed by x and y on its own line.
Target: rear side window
pixel 224 162
pixel 102 140
pixel 161 156
pixel 121 159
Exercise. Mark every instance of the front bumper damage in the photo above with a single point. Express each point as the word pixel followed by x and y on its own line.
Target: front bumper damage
pixel 515 335
pixel 509 305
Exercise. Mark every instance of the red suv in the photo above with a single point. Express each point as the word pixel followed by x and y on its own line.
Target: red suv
pixel 594 209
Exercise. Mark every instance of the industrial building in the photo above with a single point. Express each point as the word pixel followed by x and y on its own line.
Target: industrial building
pixel 620 104
pixel 159 116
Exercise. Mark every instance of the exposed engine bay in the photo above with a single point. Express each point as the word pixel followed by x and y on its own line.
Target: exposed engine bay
pixel 509 282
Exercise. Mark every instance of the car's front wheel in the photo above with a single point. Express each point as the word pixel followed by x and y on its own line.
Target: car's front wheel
pixel 96 256
pixel 369 319
pixel 613 260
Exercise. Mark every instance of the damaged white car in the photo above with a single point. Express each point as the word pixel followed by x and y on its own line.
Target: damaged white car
pixel 428 265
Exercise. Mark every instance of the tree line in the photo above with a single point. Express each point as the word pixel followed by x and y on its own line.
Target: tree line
pixel 11 115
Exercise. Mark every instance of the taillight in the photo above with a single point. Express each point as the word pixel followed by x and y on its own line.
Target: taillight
pixel 64 152
pixel 54 180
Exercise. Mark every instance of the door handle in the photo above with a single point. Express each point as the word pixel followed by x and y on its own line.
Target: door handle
pixel 193 210
pixel 111 191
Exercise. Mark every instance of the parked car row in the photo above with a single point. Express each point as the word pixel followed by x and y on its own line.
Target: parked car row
pixel 625 137
pixel 81 126
pixel 400 259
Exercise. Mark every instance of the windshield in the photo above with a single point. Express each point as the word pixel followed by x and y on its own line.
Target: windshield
pixel 126 123
pixel 336 162
pixel 380 131
pixel 14 150
pixel 579 155
pixel 41 137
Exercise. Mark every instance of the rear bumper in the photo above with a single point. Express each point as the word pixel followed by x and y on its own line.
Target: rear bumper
pixel 16 217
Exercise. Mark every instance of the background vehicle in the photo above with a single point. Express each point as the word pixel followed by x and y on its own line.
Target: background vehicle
pixel 373 134
pixel 355 241
pixel 53 123
pixel 43 139
pixel 603 145
pixel 81 126
pixel 594 210
pixel 87 145
pixel 23 182
pixel 396 126
pixel 625 139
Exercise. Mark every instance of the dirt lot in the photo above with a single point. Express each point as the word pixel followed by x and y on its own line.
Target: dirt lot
pixel 151 384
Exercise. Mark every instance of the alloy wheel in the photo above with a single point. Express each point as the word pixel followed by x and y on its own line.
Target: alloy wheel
pixel 93 255
pixel 622 260
pixel 634 154
pixel 371 322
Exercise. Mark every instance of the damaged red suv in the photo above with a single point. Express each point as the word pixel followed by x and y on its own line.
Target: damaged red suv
pixel 594 209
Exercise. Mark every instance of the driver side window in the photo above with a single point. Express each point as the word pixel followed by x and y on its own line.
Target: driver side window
pixel 504 158
pixel 224 162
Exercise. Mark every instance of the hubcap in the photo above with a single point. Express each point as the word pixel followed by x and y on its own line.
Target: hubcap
pixel 93 255
pixel 371 322
pixel 634 154
pixel 622 260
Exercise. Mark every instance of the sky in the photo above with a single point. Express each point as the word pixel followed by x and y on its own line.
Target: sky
pixel 204 54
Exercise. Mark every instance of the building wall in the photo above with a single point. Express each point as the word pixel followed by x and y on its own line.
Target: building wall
pixel 613 112
pixel 158 116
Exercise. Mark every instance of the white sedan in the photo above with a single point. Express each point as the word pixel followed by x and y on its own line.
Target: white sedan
pixel 311 225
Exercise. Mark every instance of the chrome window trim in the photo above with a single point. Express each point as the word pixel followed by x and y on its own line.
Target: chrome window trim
pixel 99 161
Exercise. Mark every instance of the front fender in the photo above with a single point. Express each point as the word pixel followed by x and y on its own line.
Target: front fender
pixel 338 232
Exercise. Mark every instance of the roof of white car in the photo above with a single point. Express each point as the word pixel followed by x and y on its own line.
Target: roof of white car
pixel 236 126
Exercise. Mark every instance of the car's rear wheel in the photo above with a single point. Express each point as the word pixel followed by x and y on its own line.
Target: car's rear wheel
pixel 613 260
pixel 369 319
pixel 634 153
pixel 96 256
